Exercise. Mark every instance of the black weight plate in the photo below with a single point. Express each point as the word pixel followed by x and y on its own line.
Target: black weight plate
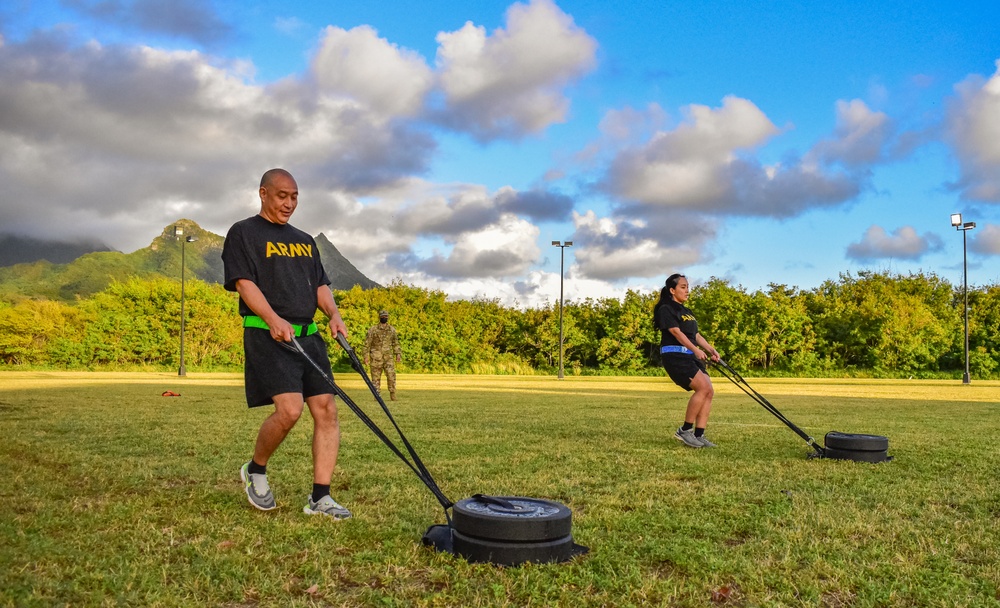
pixel 439 537
pixel 511 553
pixel 856 455
pixel 856 442
pixel 532 519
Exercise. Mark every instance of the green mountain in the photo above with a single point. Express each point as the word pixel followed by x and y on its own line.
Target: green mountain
pixel 93 272
pixel 20 250
pixel 343 275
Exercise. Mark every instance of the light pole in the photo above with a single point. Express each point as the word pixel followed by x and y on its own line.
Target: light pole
pixel 956 221
pixel 562 258
pixel 178 233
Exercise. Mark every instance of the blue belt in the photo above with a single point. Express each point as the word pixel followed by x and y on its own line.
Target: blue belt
pixel 676 349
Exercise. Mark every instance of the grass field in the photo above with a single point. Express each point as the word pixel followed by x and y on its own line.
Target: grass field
pixel 114 495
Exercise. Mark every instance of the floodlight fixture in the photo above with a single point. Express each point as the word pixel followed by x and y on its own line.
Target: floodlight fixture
pixel 964 228
pixel 178 233
pixel 562 258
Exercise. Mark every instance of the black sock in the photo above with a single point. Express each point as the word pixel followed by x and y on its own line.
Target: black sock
pixel 257 469
pixel 699 432
pixel 319 491
pixel 687 426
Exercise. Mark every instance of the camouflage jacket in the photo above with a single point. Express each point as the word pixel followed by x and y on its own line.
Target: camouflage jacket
pixel 382 343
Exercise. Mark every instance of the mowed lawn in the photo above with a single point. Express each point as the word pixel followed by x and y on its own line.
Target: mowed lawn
pixel 114 495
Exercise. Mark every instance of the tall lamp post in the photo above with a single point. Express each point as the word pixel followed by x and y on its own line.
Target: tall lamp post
pixel 965 227
pixel 562 258
pixel 178 233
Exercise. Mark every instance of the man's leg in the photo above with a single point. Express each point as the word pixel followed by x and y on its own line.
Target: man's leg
pixel 376 375
pixel 287 409
pixel 326 445
pixel 390 378
pixel 326 437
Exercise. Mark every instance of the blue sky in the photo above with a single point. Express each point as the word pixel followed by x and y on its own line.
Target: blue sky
pixel 446 144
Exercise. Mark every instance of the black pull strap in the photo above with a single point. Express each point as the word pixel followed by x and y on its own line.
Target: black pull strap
pixel 733 376
pixel 425 475
pixel 416 466
pixel 495 500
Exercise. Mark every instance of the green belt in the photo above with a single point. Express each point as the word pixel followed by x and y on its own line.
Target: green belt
pixel 300 330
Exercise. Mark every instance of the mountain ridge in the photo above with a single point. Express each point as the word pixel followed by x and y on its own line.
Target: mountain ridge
pixel 16 249
pixel 94 270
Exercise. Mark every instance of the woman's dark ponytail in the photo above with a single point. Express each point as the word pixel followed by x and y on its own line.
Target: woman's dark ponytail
pixel 665 296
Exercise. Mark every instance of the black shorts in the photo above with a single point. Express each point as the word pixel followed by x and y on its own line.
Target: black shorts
pixel 682 368
pixel 271 369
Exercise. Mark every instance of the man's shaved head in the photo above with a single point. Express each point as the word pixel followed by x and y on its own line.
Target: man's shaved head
pixel 268 177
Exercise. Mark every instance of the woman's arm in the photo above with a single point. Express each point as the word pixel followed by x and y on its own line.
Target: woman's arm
pixel 686 343
pixel 714 354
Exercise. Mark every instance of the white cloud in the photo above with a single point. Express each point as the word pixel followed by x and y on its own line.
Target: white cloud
pixel 119 141
pixel 477 234
pixel 860 138
pixel 904 244
pixel 470 208
pixel 537 289
pixel 612 249
pixel 620 129
pixel 507 248
pixel 539 205
pixel 684 167
pixel 138 133
pixel 356 63
pixel 704 165
pixel 141 135
pixel 986 240
pixel 289 26
pixel 415 209
pixel 628 124
pixel 973 128
pixel 510 83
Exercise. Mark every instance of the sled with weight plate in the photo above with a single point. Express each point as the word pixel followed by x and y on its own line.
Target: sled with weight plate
pixel 503 530
pixel 838 446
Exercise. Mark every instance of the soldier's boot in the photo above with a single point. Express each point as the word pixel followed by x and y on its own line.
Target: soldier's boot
pixel 392 395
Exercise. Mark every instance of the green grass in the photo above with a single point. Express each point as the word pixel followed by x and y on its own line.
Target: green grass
pixel 114 495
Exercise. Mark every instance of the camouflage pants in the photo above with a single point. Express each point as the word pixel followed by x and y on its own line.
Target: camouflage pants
pixel 389 367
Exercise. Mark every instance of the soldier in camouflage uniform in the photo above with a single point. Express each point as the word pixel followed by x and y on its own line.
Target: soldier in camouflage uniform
pixel 382 347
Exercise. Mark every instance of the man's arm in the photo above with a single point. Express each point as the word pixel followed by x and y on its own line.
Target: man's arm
pixel 326 303
pixel 280 329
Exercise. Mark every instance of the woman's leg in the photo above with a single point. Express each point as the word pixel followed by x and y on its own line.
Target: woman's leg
pixel 700 404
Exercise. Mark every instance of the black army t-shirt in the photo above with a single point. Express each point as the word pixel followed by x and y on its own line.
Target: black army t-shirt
pixel 281 260
pixel 675 314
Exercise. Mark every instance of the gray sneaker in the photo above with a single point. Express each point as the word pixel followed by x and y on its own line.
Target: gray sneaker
pixel 705 443
pixel 687 438
pixel 258 492
pixel 326 506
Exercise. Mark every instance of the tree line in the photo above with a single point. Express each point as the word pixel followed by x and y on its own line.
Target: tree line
pixel 869 323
